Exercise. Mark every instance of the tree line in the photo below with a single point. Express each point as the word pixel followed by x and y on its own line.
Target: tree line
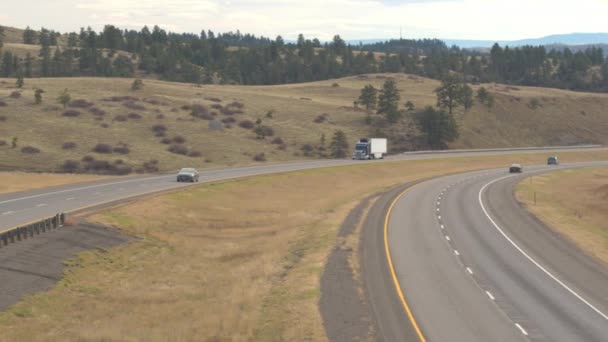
pixel 239 58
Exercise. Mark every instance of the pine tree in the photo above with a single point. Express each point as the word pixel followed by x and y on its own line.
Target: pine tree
pixel 453 93
pixel 29 36
pixel 438 127
pixel 20 81
pixel 368 97
pixel 339 145
pixel 28 65
pixel 1 37
pixel 38 95
pixel 388 101
pixel 64 98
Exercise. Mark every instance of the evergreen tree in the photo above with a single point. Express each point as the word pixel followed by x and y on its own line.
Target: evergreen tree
pixel 1 37
pixel 388 100
pixel 409 105
pixel 64 98
pixel 339 145
pixel 38 95
pixel 368 97
pixel 28 65
pixel 453 93
pixel 20 81
pixel 438 127
pixel 7 64
pixel 29 36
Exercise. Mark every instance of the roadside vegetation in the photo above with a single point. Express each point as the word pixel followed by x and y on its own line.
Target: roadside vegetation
pixel 214 262
pixel 574 203
pixel 21 181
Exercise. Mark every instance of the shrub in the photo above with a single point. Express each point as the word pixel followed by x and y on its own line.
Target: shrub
pixel 247 124
pixel 282 147
pixel 228 111
pixel 159 130
pixel 264 131
pixel 29 150
pixel 133 105
pixel 70 166
pixel 121 98
pixel 137 84
pixel 165 141
pixel 160 116
pixel 178 149
pixel 213 99
pixel 80 103
pixel 120 118
pixel 88 159
pixel 121 150
pixel 71 113
pixel 185 107
pixel 270 113
pixel 104 125
pixel 236 104
pixel 2 118
pixel 2 143
pixel 2 104
pixel 134 116
pixel 194 154
pixel 198 109
pixel 178 139
pixel 217 106
pixel 229 120
pixel 307 149
pixel 97 112
pixel 277 141
pixel 321 118
pixel 149 166
pixel 68 145
pixel 335 85
pixel 260 157
pixel 15 95
pixel 102 148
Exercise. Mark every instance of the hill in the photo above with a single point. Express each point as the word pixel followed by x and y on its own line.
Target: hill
pixel 156 123
pixel 557 39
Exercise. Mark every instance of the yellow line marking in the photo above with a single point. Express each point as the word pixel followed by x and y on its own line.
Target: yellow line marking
pixel 392 269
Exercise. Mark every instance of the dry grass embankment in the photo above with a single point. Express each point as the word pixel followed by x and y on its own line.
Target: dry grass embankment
pixel 20 181
pixel 237 260
pixel 574 203
pixel 155 123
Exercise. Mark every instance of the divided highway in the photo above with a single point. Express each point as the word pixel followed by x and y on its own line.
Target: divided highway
pixel 21 208
pixel 474 266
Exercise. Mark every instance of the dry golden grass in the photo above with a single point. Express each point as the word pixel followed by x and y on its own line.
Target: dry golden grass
pixel 563 118
pixel 20 181
pixel 238 260
pixel 574 203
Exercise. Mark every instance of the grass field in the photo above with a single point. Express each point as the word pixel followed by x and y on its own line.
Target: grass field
pixel 574 203
pixel 20 181
pixel 237 260
pixel 559 117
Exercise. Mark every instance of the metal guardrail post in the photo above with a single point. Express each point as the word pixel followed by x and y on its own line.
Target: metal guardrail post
pixel 28 231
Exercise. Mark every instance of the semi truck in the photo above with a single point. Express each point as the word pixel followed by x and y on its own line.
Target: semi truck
pixel 370 148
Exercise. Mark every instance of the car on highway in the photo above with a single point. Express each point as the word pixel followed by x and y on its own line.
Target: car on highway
pixel 187 174
pixel 552 160
pixel 516 168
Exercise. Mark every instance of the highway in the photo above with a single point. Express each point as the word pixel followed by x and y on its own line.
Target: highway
pixel 475 266
pixel 21 208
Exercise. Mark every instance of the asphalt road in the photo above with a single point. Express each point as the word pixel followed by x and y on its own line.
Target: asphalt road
pixel 20 208
pixel 475 266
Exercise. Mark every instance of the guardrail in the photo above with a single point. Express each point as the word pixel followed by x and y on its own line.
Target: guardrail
pixel 29 230
pixel 509 149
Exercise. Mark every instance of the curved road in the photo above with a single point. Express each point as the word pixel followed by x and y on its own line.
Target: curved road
pixel 474 266
pixel 21 208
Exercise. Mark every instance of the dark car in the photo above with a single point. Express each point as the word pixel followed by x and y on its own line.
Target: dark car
pixel 187 174
pixel 552 160
pixel 516 168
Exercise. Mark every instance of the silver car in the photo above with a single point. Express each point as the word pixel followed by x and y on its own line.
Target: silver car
pixel 187 174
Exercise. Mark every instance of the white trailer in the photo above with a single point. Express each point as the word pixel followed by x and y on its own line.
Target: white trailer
pixel 370 148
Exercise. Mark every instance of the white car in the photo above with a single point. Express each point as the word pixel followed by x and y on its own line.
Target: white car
pixel 187 174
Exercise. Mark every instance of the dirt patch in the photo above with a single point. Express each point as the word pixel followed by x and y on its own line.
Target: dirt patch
pixel 37 264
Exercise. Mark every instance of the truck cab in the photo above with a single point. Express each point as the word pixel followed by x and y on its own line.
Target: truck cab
pixel 370 148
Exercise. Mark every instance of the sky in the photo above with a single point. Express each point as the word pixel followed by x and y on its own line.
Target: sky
pixel 351 19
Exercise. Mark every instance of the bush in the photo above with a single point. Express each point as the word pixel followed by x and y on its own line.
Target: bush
pixel 307 149
pixel 159 130
pixel 264 131
pixel 213 99
pixel 229 120
pixel 194 154
pixel 198 109
pixel 68 145
pixel 217 106
pixel 71 113
pixel 102 148
pixel 97 112
pixel 70 166
pixel 133 105
pixel 160 116
pixel 29 150
pixel 134 116
pixel 260 157
pixel 80 103
pixel 178 149
pixel 88 159
pixel 270 113
pixel 121 150
pixel 335 85
pixel 236 104
pixel 2 118
pixel 166 141
pixel 137 84
pixel 104 125
pixel 277 141
pixel 120 118
pixel 15 95
pixel 2 143
pixel 321 118
pixel 178 139
pixel 3 104
pixel 149 166
pixel 121 98
pixel 247 124
pixel 229 111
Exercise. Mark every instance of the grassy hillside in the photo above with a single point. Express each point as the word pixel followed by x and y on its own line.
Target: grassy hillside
pixel 521 117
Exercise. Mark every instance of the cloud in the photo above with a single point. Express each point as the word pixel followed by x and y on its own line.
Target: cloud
pixel 352 19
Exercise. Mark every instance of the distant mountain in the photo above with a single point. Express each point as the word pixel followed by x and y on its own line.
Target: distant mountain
pixel 558 39
pixel 553 40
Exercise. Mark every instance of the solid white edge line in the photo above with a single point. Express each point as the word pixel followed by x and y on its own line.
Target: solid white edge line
pixel 456 252
pixel 523 331
pixel 490 295
pixel 447 237
pixel 469 270
pixel 579 297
